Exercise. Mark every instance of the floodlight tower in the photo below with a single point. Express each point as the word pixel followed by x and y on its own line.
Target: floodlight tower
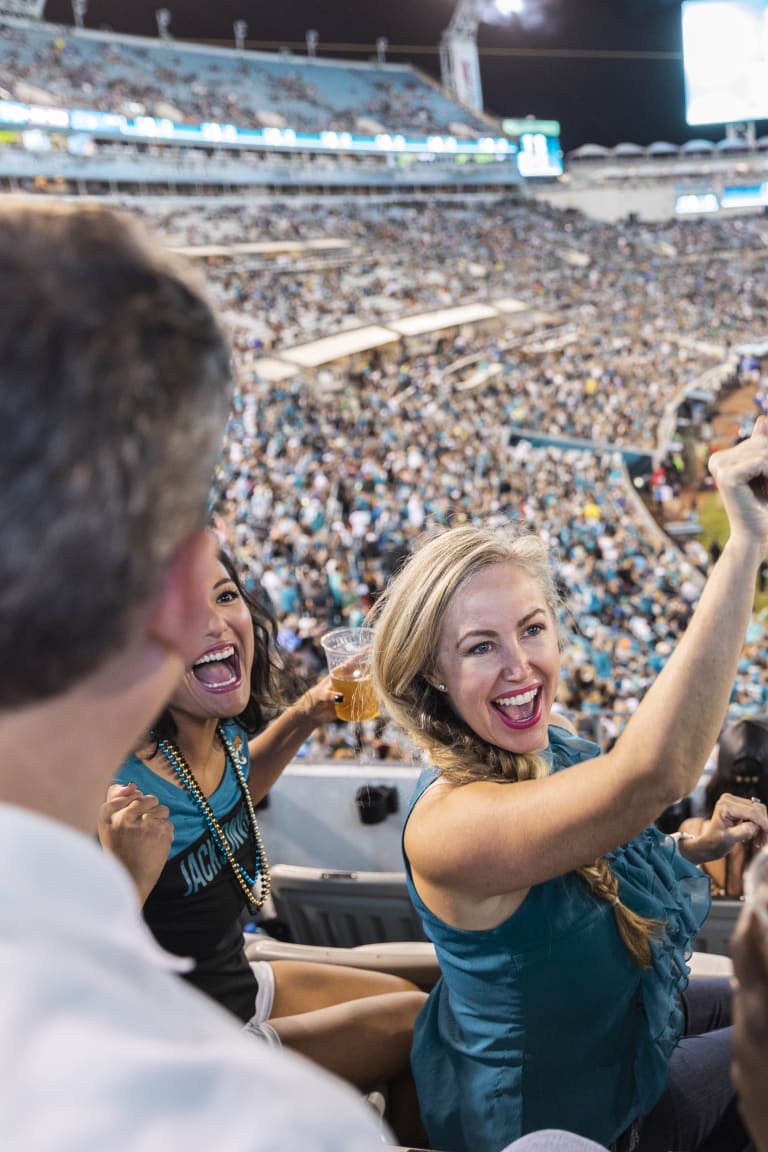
pixel 79 9
pixel 163 18
pixel 240 29
pixel 459 61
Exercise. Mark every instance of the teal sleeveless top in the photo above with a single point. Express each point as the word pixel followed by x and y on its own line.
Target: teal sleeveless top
pixel 545 1021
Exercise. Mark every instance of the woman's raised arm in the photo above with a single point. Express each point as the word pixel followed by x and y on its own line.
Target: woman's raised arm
pixel 487 839
pixel 274 748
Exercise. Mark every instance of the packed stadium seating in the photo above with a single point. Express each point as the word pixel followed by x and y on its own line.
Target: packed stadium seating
pixel 554 410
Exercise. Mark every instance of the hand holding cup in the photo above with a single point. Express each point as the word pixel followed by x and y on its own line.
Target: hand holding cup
pixel 348 652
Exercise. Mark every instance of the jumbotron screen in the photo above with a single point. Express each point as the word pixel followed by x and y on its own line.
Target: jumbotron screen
pixel 725 58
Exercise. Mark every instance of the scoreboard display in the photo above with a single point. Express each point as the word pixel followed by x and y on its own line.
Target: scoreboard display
pixel 538 141
pixel 725 60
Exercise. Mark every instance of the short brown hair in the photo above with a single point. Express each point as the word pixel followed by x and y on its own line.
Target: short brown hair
pixel 114 386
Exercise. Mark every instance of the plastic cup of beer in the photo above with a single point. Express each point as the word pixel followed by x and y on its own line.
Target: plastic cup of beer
pixel 347 651
pixel 756 893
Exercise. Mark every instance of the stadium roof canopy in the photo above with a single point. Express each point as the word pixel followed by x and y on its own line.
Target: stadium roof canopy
pixel 590 151
pixel 336 347
pixel 511 304
pixel 627 149
pixel 444 318
pixel 269 369
pixel 343 344
pixel 662 148
pixel 265 247
pixel 757 349
pixel 727 144
pixel 697 146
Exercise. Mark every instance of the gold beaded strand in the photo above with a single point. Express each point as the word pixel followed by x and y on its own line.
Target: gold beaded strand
pixel 178 762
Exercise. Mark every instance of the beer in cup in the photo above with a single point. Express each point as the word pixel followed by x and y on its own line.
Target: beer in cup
pixel 347 651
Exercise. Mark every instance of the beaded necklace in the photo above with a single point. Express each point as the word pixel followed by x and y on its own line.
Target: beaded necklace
pixel 178 762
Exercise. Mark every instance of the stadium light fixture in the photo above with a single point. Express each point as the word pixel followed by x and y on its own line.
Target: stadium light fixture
pixel 163 18
pixel 79 9
pixel 459 61
pixel 240 29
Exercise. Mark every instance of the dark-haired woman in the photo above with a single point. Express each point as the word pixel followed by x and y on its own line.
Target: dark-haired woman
pixel 211 757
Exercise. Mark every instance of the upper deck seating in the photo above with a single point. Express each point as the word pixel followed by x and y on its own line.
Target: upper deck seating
pixel 47 63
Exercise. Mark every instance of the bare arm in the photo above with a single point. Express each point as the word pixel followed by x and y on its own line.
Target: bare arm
pixel 274 748
pixel 486 840
pixel 735 820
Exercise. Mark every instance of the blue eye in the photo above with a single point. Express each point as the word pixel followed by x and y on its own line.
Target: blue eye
pixel 534 629
pixel 481 648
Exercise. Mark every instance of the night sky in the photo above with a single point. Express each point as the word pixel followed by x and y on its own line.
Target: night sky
pixel 573 69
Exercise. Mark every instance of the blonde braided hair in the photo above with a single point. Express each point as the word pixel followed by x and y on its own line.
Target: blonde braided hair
pixel 408 618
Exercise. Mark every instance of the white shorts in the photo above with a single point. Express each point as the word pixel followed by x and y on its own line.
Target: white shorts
pixel 262 1005
pixel 265 996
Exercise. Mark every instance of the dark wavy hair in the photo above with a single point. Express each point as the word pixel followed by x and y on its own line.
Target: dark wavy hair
pixel 272 683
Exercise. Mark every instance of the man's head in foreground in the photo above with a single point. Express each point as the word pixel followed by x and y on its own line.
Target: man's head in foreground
pixel 114 388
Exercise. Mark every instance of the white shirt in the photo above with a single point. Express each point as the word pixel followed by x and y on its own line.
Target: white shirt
pixel 103 1046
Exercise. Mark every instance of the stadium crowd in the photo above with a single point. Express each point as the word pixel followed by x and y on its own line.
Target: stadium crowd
pixel 700 280
pixel 328 477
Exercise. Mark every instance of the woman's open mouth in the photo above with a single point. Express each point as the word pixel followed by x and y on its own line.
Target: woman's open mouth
pixel 219 669
pixel 520 709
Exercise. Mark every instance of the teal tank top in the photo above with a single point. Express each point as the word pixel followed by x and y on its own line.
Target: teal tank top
pixel 545 1021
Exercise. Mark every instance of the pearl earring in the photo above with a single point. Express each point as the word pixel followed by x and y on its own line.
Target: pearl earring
pixel 440 687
